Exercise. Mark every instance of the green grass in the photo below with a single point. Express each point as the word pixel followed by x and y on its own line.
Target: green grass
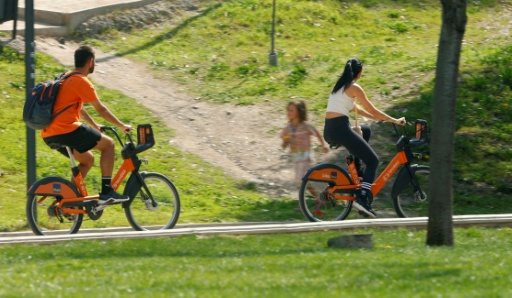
pixel 207 194
pixel 221 55
pixel 292 265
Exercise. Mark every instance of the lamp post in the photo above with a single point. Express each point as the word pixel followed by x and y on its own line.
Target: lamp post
pixel 30 64
pixel 272 57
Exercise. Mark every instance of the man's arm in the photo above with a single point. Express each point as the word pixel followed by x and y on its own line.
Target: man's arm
pixel 87 118
pixel 107 115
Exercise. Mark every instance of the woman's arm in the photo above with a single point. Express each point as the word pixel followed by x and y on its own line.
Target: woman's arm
pixel 370 111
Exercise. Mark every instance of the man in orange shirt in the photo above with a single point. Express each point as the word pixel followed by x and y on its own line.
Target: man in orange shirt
pixel 66 129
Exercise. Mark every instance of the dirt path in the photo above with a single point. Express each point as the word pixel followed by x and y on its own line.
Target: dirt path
pixel 242 140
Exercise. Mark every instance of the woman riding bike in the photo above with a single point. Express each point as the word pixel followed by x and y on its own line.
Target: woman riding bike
pixel 338 131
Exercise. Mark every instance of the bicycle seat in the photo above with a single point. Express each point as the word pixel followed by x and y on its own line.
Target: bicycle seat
pixel 56 146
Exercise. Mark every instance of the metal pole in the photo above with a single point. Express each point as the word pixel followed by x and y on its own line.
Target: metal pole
pixel 272 57
pixel 30 62
pixel 14 27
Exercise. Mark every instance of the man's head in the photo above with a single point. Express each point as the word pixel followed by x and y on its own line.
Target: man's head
pixel 84 57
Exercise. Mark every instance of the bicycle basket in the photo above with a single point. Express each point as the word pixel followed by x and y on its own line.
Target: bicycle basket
pixel 421 132
pixel 145 137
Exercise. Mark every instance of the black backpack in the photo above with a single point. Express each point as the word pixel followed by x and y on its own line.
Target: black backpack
pixel 38 109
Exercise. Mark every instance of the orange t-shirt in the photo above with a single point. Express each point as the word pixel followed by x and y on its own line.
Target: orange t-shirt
pixel 75 91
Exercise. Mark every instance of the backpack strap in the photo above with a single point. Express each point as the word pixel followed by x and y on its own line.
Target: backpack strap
pixel 63 77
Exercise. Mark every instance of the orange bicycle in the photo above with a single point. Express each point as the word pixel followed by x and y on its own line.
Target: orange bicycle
pixel 55 203
pixel 327 192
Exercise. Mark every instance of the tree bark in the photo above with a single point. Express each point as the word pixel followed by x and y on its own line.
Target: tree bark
pixel 440 225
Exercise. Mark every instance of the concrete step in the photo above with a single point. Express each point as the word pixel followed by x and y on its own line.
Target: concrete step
pixel 40 29
pixel 60 18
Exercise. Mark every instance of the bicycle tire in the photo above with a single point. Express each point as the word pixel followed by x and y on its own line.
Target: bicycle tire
pixel 141 215
pixel 41 199
pixel 406 201
pixel 324 207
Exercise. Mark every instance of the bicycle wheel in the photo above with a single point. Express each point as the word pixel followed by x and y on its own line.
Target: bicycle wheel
pixel 407 201
pixel 43 216
pixel 142 213
pixel 315 201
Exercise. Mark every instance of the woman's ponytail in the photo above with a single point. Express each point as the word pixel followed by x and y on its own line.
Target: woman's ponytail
pixel 352 68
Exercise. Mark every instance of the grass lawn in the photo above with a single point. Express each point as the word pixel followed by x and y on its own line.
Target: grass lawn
pixel 395 39
pixel 221 55
pixel 289 265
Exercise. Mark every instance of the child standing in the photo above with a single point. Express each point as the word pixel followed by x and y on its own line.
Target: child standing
pixel 297 135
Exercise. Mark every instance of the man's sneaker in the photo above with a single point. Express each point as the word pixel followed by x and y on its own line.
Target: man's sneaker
pixel 361 204
pixel 112 198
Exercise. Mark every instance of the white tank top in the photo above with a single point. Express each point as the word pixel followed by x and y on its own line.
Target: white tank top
pixel 339 102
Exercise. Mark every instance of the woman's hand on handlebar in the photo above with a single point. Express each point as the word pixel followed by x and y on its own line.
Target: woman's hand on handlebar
pixel 400 121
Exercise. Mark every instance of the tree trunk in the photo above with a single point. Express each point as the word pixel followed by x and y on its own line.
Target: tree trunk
pixel 440 225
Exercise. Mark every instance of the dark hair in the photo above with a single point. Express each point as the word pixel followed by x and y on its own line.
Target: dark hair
pixel 301 108
pixel 352 68
pixel 82 55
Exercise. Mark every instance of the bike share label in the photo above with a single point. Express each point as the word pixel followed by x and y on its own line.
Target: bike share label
pixel 57 188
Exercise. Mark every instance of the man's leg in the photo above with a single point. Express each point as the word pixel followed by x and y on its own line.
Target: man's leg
pixel 106 147
pixel 107 150
pixel 85 161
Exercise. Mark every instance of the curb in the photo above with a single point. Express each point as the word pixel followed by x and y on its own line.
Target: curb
pixel 461 221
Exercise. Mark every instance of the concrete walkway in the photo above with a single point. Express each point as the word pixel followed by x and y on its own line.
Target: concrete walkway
pixel 60 18
pixel 459 221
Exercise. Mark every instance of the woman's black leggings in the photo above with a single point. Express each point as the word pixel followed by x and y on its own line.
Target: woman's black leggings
pixel 339 131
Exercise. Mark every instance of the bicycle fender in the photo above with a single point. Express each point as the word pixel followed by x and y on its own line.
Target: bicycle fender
pixel 402 180
pixel 328 172
pixel 53 186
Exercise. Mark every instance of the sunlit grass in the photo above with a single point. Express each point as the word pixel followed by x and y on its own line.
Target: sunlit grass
pixel 292 265
pixel 220 55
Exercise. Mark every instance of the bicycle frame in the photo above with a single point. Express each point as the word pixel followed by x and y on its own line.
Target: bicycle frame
pixel 402 158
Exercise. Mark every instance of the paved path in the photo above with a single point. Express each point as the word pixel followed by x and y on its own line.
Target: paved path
pixel 461 221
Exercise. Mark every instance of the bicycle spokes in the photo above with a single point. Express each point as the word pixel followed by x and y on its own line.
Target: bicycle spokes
pixel 155 206
pixel 319 202
pixel 412 200
pixel 44 216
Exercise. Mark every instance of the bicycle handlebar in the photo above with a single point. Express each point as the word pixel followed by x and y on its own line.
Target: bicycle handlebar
pixel 420 129
pixel 404 128
pixel 113 129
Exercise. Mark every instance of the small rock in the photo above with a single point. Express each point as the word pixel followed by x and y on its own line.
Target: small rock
pixel 351 241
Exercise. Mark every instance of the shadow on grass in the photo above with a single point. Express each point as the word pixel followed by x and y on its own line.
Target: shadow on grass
pixel 482 138
pixel 168 35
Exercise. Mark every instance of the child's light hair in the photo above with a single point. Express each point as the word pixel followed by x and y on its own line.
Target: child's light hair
pixel 301 109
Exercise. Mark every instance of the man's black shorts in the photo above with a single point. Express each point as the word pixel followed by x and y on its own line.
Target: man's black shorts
pixel 81 139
